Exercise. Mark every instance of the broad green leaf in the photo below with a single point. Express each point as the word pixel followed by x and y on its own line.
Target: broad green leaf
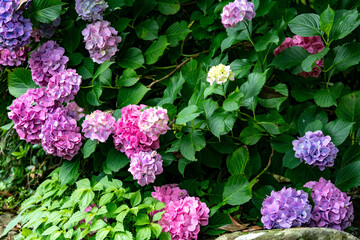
pixel 308 64
pixel 128 78
pixel 346 56
pixel 290 161
pixel 191 143
pixel 209 107
pixel 173 89
pixel 86 70
pixel 236 163
pixel 102 68
pixel 241 67
pixel 75 58
pixel 121 24
pixel 156 50
pixel 72 38
pixel 327 97
pixel 327 20
pixel 117 4
pixel 105 199
pixel 102 234
pixel 86 199
pixel 237 190
pixel 19 81
pixel 131 58
pixel 177 32
pixel 253 85
pixel 89 147
pixel 305 173
pixel 116 160
pixel 349 107
pixel 50 230
pixel 221 123
pixel 69 172
pixel 142 7
pixel 147 30
pixel 314 126
pixel 165 236
pixel 131 95
pixel 93 96
pixel 352 154
pixel 105 78
pixel 227 42
pixel 345 23
pixel 273 99
pixel 338 130
pixel 12 224
pixel 168 7
pixel 183 162
pixel 263 42
pixel 143 233
pixel 271 122
pixel 46 11
pixel 233 101
pixel 156 229
pixel 135 199
pixel 187 114
pixel 250 135
pixel 290 57
pixel 306 25
pixel 348 176
pixel 99 224
pixel 142 219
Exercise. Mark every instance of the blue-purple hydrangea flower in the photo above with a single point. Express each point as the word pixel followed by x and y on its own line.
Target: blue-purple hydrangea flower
pixel 7 8
pixel 236 12
pixel 332 209
pixel 285 209
pixel 315 149
pixel 91 10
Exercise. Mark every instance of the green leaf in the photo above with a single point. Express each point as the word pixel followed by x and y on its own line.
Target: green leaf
pixel 183 162
pixel 12 224
pixel 221 123
pixel 263 42
pixel 142 7
pixel 168 7
pixel 241 67
pixel 135 199
pixel 314 126
pixel 327 97
pixel 250 135
pixel 289 160
pixel 86 199
pixel 308 64
pixel 93 97
pixel 105 199
pixel 50 230
pixel 187 114
pixel 233 101
pixel 352 154
pixel 156 50
pixel 147 30
pixel 345 23
pixel 121 24
pixel 86 70
pixel 306 25
pixel 338 130
pixel 290 57
pixel 156 229
pixel 227 42
pixel 143 234
pixel 209 107
pixel 102 68
pixel 177 32
pixel 72 38
pixel 191 143
pixel 99 224
pixel 69 172
pixel 46 11
pixel 236 163
pixel 327 20
pixel 165 236
pixel 237 190
pixel 131 58
pixel 346 56
pixel 253 85
pixel 142 219
pixel 128 78
pixel 75 59
pixel 348 176
pixel 274 98
pixel 349 107
pixel 131 95
pixel 116 160
pixel 105 78
pixel 19 81
pixel 271 122
pixel 89 147
pixel 102 234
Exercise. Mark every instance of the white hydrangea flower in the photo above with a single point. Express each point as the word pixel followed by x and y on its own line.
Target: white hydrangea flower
pixel 220 74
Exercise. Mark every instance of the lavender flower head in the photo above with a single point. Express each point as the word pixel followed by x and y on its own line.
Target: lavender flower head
pixel 29 113
pixel 154 122
pixel 333 208
pixel 90 10
pixel 7 8
pixel 101 40
pixel 98 126
pixel 47 61
pixel 60 135
pixel 285 209
pixel 75 111
pixel 13 58
pixel 15 33
pixel 64 85
pixel 168 193
pixel 144 166
pixel 315 149
pixel 236 11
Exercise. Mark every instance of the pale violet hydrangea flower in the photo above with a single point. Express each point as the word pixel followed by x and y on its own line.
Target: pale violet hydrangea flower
pixel 144 166
pixel 90 10
pixel 13 58
pixel 75 111
pixel 168 193
pixel 315 149
pixel 220 74
pixel 236 12
pixel 154 122
pixel 98 126
pixel 333 208
pixel 64 85
pixel 285 209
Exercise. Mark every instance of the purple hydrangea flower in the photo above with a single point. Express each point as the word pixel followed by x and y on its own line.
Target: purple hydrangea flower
pixel 91 10
pixel 29 113
pixel 333 208
pixel 7 9
pixel 98 126
pixel 13 58
pixel 16 32
pixel 47 61
pixel 144 166
pixel 315 149
pixel 60 135
pixel 285 209
pixel 101 40
pixel 75 111
pixel 168 193
pixel 236 11
pixel 64 85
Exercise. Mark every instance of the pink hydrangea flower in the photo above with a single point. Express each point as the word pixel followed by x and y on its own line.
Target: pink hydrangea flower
pixel 64 85
pixel 168 193
pixel 154 122
pixel 13 58
pixel 60 135
pixel 236 12
pixel 183 218
pixel 144 166
pixel 75 111
pixel 29 113
pixel 98 126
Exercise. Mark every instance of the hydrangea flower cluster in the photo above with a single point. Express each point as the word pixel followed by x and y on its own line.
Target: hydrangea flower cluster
pixel 90 10
pixel 333 208
pixel 236 12
pixel 29 113
pixel 64 85
pixel 75 111
pixel 45 30
pixel 60 135
pixel 144 166
pixel 315 149
pixel 98 126
pixel 153 122
pixel 311 44
pixel 101 40
pixel 220 74
pixel 286 208
pixel 7 8
pixel 47 61
pixel 13 58
pixel 168 193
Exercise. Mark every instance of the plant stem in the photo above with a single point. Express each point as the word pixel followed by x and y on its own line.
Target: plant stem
pixel 250 39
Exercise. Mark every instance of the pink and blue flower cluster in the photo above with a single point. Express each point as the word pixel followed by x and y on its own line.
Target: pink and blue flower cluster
pixel 237 11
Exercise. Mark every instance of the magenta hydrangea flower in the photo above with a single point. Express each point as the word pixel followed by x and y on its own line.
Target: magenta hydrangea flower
pixel 13 58
pixel 101 40
pixel 183 218
pixel 154 122
pixel 29 113
pixel 60 135
pixel 64 85
pixel 16 32
pixel 315 149
pixel 7 9
pixel 128 137
pixel 236 12
pixel 75 111
pixel 47 61
pixel 91 10
pixel 168 193
pixel 285 209
pixel 144 166
pixel 333 208
pixel 98 126
pixel 311 44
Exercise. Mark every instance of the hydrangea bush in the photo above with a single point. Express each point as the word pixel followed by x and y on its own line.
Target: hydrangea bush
pixel 233 110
